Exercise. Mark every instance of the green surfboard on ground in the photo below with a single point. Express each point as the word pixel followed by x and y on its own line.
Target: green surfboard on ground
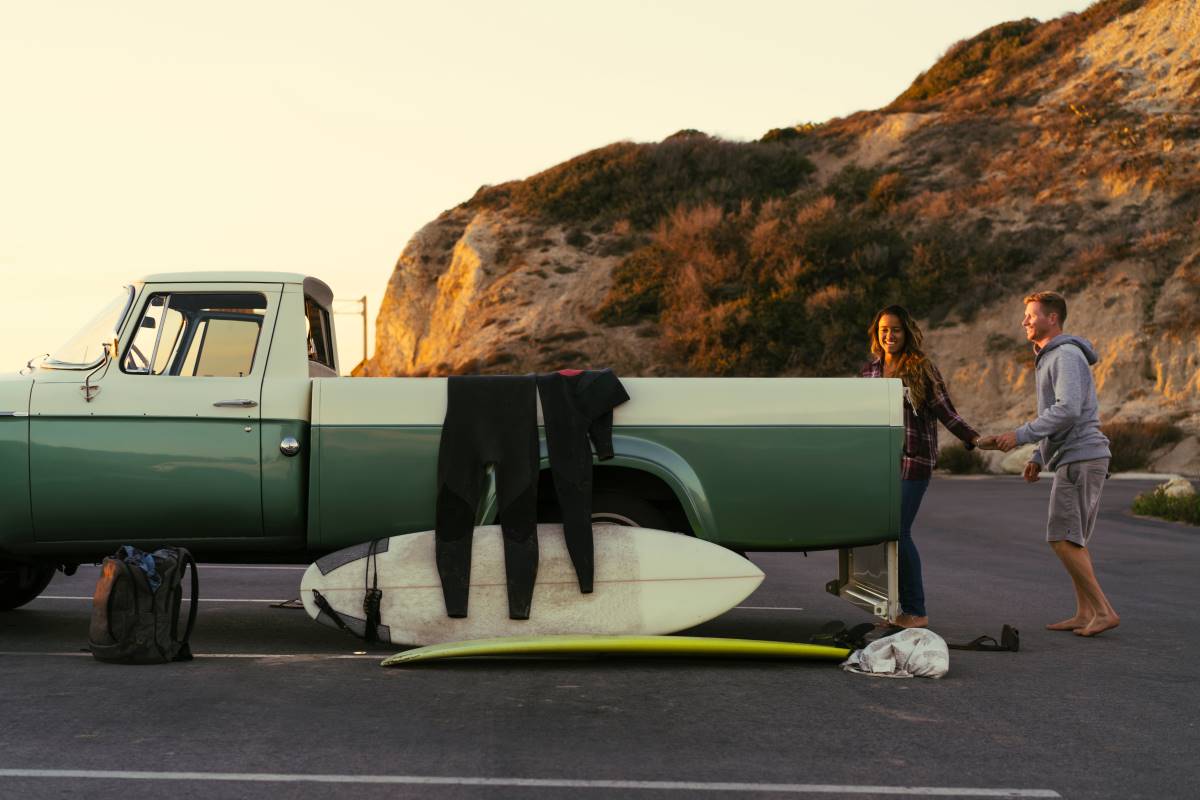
pixel 617 645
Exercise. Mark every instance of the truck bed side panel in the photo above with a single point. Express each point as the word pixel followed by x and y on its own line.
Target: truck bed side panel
pixel 788 488
pixel 785 464
pixel 376 482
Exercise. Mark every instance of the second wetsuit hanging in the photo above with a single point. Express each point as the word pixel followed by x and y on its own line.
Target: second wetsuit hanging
pixel 577 407
pixel 489 420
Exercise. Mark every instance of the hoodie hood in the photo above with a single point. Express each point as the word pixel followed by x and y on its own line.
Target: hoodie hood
pixel 1058 341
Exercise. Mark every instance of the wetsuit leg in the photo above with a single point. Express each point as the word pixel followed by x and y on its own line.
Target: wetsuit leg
pixel 575 501
pixel 490 419
pixel 518 522
pixel 452 546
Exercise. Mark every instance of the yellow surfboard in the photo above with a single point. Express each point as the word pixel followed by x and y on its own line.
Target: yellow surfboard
pixel 617 645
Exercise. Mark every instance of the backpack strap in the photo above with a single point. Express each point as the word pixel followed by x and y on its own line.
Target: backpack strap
pixel 120 568
pixel 117 649
pixel 185 652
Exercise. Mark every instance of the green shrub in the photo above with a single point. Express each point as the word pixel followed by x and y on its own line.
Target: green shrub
pixel 1133 442
pixel 577 238
pixel 789 285
pixel 1013 55
pixel 958 460
pixel 1158 504
pixel 640 278
pixel 971 57
pixel 645 182
pixel 799 131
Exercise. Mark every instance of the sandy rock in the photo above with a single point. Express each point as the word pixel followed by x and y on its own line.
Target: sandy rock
pixel 1015 460
pixel 486 292
pixel 993 460
pixel 1183 459
pixel 1157 73
pixel 1178 487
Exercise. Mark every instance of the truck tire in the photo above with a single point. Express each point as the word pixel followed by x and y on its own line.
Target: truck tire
pixel 624 509
pixel 21 582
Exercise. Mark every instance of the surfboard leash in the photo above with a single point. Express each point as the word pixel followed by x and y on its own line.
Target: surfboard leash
pixel 372 595
pixel 325 607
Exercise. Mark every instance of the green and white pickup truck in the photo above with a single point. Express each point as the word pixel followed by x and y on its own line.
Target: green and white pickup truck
pixel 205 410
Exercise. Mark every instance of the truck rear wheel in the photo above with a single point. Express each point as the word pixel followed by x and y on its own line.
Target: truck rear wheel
pixel 21 582
pixel 623 509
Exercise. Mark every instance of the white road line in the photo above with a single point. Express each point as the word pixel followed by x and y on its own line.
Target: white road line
pixel 530 783
pixel 768 608
pixel 277 600
pixel 186 599
pixel 298 567
pixel 308 656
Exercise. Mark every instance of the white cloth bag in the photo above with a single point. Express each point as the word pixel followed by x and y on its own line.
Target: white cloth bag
pixel 915 652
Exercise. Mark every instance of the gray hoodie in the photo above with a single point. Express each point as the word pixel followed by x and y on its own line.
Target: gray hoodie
pixel 1068 421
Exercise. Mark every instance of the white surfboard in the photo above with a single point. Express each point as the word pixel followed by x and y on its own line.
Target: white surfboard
pixel 646 582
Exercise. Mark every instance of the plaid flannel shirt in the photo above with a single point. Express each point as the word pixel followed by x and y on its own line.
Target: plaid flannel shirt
pixel 920 427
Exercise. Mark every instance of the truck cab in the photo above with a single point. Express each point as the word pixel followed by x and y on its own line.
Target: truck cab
pixel 159 403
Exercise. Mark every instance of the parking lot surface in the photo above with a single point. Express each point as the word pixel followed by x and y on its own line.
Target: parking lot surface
pixel 276 705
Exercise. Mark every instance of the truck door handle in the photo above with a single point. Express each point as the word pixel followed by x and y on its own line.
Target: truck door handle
pixel 235 404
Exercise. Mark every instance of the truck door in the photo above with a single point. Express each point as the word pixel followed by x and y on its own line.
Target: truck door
pixel 161 443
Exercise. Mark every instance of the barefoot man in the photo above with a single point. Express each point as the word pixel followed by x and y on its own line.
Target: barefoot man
pixel 1067 430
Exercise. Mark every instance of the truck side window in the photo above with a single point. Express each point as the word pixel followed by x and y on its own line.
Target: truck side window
pixel 213 334
pixel 320 343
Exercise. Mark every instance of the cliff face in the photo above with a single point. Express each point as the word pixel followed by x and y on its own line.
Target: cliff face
pixel 482 291
pixel 1059 155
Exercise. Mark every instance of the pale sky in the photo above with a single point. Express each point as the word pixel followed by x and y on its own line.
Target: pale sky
pixel 317 137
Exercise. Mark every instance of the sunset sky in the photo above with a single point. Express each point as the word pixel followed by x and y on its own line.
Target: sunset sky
pixel 315 137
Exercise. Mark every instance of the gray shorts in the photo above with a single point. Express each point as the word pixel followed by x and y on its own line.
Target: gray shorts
pixel 1075 500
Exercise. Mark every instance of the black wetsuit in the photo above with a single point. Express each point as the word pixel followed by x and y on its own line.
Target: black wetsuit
pixel 489 420
pixel 577 406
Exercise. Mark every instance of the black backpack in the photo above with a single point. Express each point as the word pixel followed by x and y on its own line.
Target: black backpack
pixel 132 621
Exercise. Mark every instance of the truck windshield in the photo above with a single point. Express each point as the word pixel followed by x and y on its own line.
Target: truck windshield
pixel 86 348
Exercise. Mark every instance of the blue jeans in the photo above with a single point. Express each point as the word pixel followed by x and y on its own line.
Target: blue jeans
pixel 912 590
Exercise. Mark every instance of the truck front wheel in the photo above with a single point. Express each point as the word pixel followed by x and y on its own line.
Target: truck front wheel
pixel 21 582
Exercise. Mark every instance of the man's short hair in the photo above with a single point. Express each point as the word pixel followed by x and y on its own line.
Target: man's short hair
pixel 1052 302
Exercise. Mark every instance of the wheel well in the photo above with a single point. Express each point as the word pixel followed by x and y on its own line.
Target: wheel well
pixel 619 481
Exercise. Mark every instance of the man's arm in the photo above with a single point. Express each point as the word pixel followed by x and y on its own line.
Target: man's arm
pixel 1068 379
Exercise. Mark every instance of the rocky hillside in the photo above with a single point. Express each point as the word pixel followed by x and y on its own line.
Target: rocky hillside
pixel 1060 154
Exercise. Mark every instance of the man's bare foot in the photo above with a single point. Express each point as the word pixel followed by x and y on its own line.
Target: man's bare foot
pixel 1068 624
pixel 1099 624
pixel 912 621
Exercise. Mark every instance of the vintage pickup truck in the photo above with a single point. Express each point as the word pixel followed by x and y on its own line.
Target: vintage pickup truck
pixel 205 410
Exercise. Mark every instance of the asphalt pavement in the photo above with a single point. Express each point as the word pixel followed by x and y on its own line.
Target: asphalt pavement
pixel 276 705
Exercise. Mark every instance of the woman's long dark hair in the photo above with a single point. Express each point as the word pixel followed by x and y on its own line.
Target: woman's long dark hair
pixel 914 368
